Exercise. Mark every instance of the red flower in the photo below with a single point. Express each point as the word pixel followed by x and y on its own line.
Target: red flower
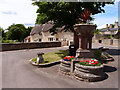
pixel 87 61
pixel 92 60
pixel 93 63
pixel 68 58
pixel 84 60
pixel 96 62
pixel 81 61
pixel 71 56
pixel 65 57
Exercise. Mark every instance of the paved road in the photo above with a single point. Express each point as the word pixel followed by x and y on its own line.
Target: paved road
pixel 17 72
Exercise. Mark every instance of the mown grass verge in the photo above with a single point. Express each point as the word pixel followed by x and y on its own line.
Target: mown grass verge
pixel 53 56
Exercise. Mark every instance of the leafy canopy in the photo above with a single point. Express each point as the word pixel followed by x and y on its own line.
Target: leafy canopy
pixel 66 13
pixel 18 32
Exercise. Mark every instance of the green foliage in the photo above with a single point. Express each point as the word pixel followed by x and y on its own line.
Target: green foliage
pixel 2 33
pixel 109 37
pixel 66 13
pixel 18 32
pixel 62 53
pixel 9 41
pixel 53 56
pixel 97 53
pixel 86 64
pixel 96 31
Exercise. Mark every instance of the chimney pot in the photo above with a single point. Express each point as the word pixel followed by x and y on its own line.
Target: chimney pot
pixel 107 26
pixel 111 26
pixel 116 25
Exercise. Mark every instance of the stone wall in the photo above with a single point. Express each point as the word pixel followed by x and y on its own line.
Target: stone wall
pixel 107 41
pixel 19 46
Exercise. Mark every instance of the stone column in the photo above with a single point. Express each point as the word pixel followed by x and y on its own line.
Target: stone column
pixel 85 43
pixel 80 42
pixel 90 42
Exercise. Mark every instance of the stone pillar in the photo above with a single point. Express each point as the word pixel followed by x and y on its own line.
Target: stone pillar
pixel 85 43
pixel 40 58
pixel 76 40
pixel 90 42
pixel 80 41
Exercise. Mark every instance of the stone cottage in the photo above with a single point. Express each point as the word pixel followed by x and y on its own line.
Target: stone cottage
pixel 41 33
pixel 109 31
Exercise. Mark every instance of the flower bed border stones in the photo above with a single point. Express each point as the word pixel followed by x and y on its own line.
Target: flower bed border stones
pixel 89 73
pixel 65 66
pixel 46 64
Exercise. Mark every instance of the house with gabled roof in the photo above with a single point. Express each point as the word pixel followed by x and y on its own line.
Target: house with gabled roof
pixel 112 30
pixel 109 31
pixel 41 33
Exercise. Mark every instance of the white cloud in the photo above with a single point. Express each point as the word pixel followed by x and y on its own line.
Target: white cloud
pixel 102 26
pixel 8 12
pixel 102 21
pixel 17 11
pixel 22 12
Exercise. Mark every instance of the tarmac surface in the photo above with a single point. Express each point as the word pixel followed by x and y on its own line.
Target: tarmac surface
pixel 17 72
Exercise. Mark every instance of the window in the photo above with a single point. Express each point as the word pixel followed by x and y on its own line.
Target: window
pixel 64 39
pixel 35 40
pixel 50 39
pixel 40 40
pixel 57 39
pixel 36 34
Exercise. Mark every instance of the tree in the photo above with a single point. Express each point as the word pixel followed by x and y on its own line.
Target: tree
pixel 28 31
pixel 67 13
pixel 97 31
pixel 16 32
pixel 2 32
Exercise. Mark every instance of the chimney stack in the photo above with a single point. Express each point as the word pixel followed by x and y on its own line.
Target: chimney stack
pixel 107 27
pixel 116 25
pixel 111 26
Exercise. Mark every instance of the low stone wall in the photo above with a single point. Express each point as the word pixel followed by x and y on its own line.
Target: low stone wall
pixel 19 46
pixel 108 41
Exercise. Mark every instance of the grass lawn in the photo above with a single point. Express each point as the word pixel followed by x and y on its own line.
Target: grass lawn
pixel 53 56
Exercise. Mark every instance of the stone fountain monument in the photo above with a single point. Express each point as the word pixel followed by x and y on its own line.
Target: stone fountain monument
pixel 85 51
pixel 85 33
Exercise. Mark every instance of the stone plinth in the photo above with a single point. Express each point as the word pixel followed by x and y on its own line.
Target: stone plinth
pixel 89 73
pixel 80 53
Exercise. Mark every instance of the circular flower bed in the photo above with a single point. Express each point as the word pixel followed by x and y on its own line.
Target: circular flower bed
pixel 90 62
pixel 68 58
pixel 89 70
pixel 66 64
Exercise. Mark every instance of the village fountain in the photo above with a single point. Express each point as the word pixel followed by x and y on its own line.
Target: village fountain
pixel 85 51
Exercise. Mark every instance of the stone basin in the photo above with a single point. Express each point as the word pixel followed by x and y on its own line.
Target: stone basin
pixel 85 33
pixel 85 29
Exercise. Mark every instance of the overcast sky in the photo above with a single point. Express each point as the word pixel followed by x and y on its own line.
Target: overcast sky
pixel 23 12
